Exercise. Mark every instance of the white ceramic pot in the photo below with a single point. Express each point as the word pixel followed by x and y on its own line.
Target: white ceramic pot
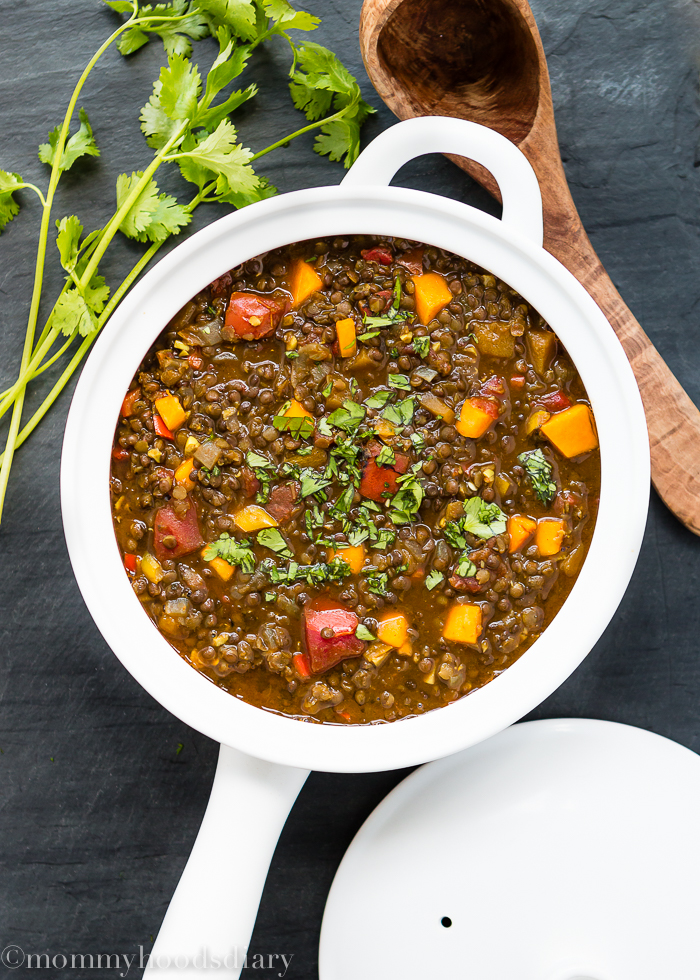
pixel 363 204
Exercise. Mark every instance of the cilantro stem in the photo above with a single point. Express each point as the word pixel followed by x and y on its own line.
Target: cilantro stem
pixel 305 129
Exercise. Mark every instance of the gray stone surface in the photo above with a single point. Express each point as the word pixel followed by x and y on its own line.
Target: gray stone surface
pixel 98 810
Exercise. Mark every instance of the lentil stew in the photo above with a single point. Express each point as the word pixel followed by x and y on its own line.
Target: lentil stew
pixel 354 479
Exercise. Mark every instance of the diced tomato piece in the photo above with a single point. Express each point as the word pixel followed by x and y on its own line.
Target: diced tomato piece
pixel 120 454
pixel 323 616
pixel 413 261
pixel 220 285
pixel 161 429
pixel 128 403
pixel 301 664
pixel 251 484
pixel 487 405
pixel 195 360
pixel 184 529
pixel 380 482
pixel 381 255
pixel 517 381
pixel 494 386
pixel 250 317
pixel 555 401
pixel 130 562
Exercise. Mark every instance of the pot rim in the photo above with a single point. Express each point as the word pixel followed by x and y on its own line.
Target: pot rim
pixel 325 212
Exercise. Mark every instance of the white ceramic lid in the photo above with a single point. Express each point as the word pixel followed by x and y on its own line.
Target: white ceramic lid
pixel 554 850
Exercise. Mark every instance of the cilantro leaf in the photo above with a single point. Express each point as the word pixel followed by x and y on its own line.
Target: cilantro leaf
pixel 257 460
pixel 67 240
pixel 406 502
pixel 348 417
pixel 379 399
pixel 79 144
pixel 298 426
pixel 181 85
pixel 421 346
pixel 386 457
pixel 433 579
pixel 481 519
pixel 271 538
pixel 9 183
pixel 319 574
pixel 377 582
pixel 238 15
pixel 399 381
pixel 286 18
pixel 156 124
pixel 362 633
pixel 312 482
pixel 321 83
pixel 186 24
pixel 77 312
pixel 153 216
pixel 344 501
pixel 466 567
pixel 400 414
pixel 539 470
pixel 232 551
pixel 224 158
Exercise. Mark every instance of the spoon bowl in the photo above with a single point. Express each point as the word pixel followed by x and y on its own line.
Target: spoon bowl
pixel 483 60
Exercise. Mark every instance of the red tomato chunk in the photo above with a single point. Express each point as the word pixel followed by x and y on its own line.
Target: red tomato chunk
pixel 329 635
pixel 250 317
pixel 379 482
pixel 381 255
pixel 555 401
pixel 185 531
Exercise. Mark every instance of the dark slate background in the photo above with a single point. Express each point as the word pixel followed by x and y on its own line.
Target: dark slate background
pixel 98 808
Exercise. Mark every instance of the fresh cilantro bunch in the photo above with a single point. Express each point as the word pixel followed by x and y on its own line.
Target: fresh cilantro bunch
pixel 186 122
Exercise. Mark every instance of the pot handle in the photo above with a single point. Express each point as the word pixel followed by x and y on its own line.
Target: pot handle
pixel 210 920
pixel 520 191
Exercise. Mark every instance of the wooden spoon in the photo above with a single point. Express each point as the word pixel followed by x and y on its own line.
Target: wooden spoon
pixel 483 60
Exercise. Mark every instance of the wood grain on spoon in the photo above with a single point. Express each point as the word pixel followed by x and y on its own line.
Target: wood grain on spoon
pixel 483 60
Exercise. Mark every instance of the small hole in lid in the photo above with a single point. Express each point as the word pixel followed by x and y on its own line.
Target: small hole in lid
pixel 446 921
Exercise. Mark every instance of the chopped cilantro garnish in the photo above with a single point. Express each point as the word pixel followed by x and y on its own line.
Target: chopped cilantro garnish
pixel 271 538
pixel 539 470
pixel 417 441
pixel 303 450
pixel 379 399
pixel 368 335
pixel 232 551
pixel 377 582
pixel 344 501
pixel 433 579
pixel 323 428
pixel 399 381
pixel 348 417
pixel 327 390
pixel 362 633
pixel 299 427
pixel 385 539
pixel 270 597
pixel 386 457
pixel 260 465
pixel 291 354
pixel 421 346
pixel 257 460
pixel 401 413
pixel 466 567
pixel 312 482
pixel 333 571
pixel 481 519
pixel 406 502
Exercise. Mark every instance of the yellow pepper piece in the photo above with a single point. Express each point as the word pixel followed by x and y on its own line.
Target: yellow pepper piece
pixel 253 518
pixel 385 430
pixel 152 568
pixel 171 411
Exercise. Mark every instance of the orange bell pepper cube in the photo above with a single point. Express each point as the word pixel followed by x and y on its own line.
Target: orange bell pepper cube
pixel 128 403
pixel 549 536
pixel 131 562
pixel 171 411
pixel 463 623
pixel 476 416
pixel 253 518
pixel 347 337
pixel 182 474
pixel 297 411
pixel 355 557
pixel 393 629
pixel 520 530
pixel 222 568
pixel 431 294
pixel 304 281
pixel 572 431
